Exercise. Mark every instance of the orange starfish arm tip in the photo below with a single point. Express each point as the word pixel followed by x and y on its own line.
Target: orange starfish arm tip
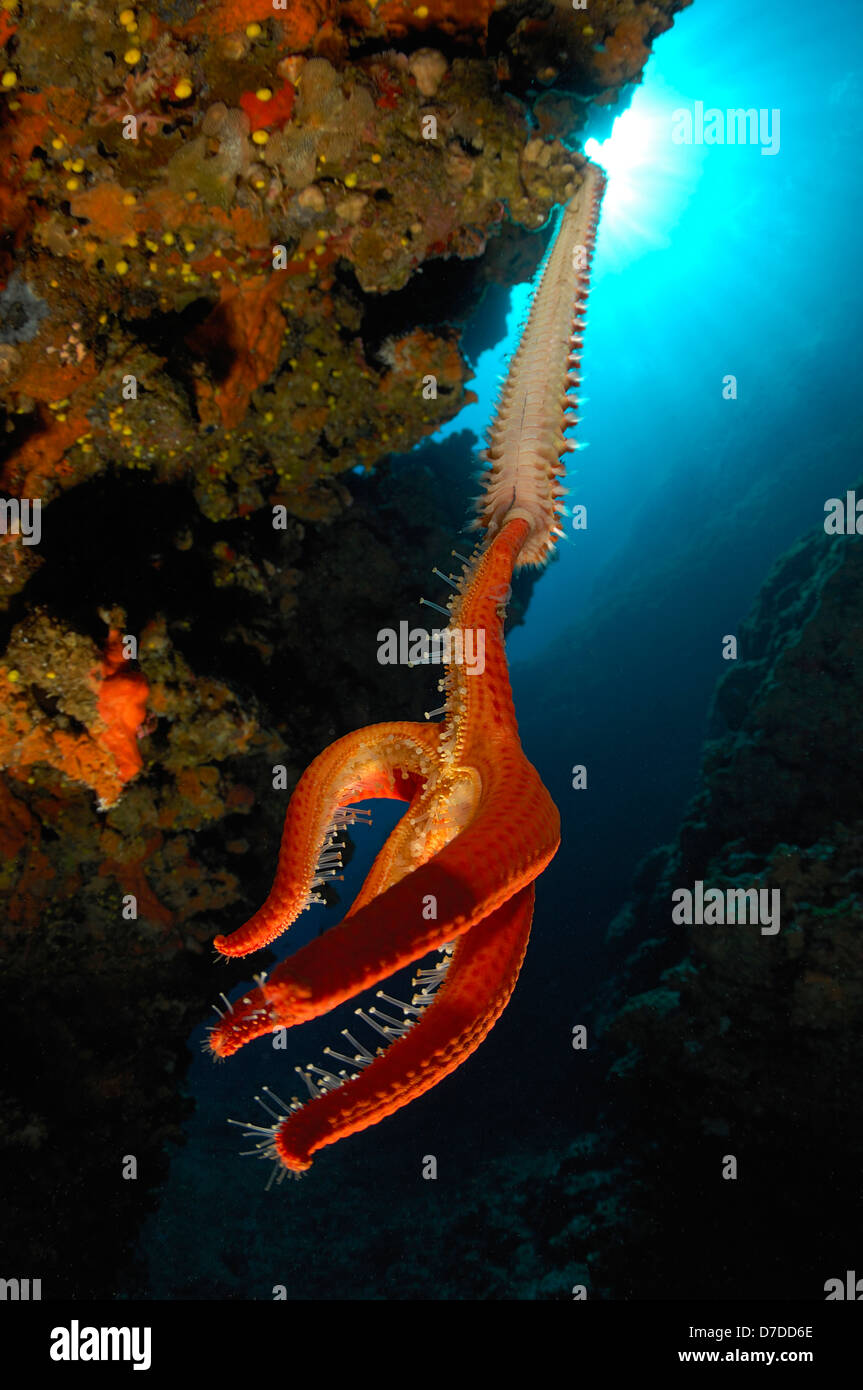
pixel 447 1027
pixel 384 760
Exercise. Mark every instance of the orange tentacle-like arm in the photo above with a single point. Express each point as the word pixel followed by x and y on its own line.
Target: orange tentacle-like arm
pixel 385 760
pixel 475 991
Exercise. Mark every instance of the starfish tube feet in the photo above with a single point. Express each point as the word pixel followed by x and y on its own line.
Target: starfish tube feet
pixel 251 1017
pixel 385 760
pixel 476 873
pixel 440 1031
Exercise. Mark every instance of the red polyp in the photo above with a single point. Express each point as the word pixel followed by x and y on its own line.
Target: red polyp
pixel 274 112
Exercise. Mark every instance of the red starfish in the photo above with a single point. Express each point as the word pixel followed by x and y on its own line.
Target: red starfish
pixel 479 827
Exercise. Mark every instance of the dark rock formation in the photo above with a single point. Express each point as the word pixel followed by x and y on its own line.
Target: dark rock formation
pixel 722 1040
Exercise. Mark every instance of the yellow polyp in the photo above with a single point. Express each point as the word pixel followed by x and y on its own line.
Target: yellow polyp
pixel 57 143
pixel 253 31
pixel 191 196
pixel 152 245
pixel 376 158
pixel 122 267
pixel 129 200
pixel 77 166
pixel 168 238
pixel 132 56
pixel 13 676
pixel 260 137
pixel 422 11
pixel 350 181
pixel 183 89
pixel 73 184
pixel 126 17
pixel 9 78
pixel 264 94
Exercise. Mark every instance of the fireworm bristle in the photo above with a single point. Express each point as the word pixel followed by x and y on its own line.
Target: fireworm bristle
pixel 523 476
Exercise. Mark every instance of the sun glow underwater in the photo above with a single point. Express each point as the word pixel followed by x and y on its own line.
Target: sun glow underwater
pixel 650 181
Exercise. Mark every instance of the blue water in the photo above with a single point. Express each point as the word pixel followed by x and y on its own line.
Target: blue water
pixel 711 260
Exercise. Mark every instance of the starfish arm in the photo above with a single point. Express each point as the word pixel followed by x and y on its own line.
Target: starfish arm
pixel 472 876
pixel 397 857
pixel 479 706
pixel 476 989
pixel 387 761
pixel 475 874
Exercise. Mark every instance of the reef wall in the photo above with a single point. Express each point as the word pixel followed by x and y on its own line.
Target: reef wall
pixel 733 1040
pixel 240 243
pixel 724 1041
